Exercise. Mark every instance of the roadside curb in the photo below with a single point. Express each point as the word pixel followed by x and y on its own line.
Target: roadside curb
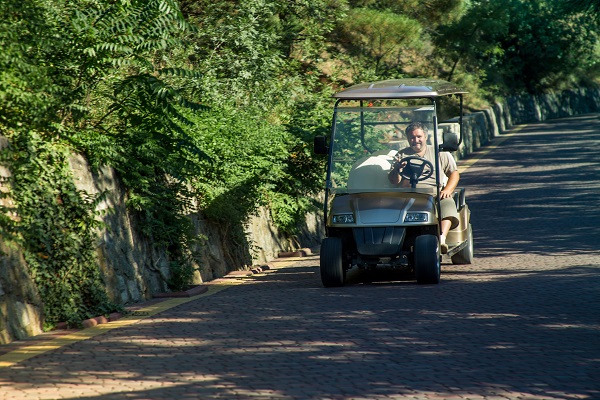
pixel 248 272
pixel 90 322
pixel 298 253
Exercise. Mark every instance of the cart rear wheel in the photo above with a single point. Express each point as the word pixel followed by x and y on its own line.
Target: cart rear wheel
pixel 465 256
pixel 427 259
pixel 332 269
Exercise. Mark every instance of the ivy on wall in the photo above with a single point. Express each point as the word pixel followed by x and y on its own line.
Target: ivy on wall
pixel 55 228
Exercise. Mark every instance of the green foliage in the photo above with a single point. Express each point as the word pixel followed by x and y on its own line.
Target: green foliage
pixel 257 52
pixel 380 39
pixel 182 273
pixel 137 125
pixel 428 12
pixel 521 46
pixel 591 7
pixel 246 157
pixel 56 229
pixel 30 94
pixel 259 65
pixel 99 77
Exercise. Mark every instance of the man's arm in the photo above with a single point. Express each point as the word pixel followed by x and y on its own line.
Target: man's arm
pixel 448 190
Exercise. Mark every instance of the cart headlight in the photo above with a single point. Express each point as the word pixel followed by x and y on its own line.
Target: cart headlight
pixel 343 219
pixel 416 217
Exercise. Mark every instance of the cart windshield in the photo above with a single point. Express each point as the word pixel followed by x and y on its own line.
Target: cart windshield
pixel 367 136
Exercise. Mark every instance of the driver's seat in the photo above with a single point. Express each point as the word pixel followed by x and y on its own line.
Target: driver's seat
pixel 459 197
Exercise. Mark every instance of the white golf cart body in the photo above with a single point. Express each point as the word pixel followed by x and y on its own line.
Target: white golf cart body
pixel 370 222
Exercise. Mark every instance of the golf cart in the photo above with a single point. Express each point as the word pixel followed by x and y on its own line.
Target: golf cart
pixel 370 222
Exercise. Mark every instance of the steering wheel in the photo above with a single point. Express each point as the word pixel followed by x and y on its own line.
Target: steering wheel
pixel 417 169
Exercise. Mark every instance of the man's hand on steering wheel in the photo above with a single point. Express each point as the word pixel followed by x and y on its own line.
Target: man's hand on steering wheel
pixel 414 169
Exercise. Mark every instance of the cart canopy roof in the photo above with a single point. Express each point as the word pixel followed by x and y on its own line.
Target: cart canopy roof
pixel 400 89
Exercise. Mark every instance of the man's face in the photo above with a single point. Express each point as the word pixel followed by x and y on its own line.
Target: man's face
pixel 417 140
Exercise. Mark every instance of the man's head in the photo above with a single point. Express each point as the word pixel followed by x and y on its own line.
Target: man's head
pixel 416 134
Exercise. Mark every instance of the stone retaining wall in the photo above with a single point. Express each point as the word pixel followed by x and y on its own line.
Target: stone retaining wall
pixel 134 270
pixel 482 126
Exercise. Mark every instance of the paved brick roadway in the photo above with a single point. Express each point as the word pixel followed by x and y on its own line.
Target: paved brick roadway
pixel 523 322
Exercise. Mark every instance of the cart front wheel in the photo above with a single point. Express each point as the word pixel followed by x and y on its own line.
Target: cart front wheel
pixel 427 259
pixel 332 269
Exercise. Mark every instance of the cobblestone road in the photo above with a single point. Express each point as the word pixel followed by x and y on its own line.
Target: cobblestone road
pixel 522 322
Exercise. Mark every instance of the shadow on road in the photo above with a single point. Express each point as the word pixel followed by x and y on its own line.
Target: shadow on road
pixel 282 335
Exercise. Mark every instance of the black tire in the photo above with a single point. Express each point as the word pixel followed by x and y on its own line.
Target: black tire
pixel 465 256
pixel 332 269
pixel 427 259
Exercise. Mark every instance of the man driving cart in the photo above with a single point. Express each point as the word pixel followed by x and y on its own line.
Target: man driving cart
pixel 390 209
pixel 416 135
